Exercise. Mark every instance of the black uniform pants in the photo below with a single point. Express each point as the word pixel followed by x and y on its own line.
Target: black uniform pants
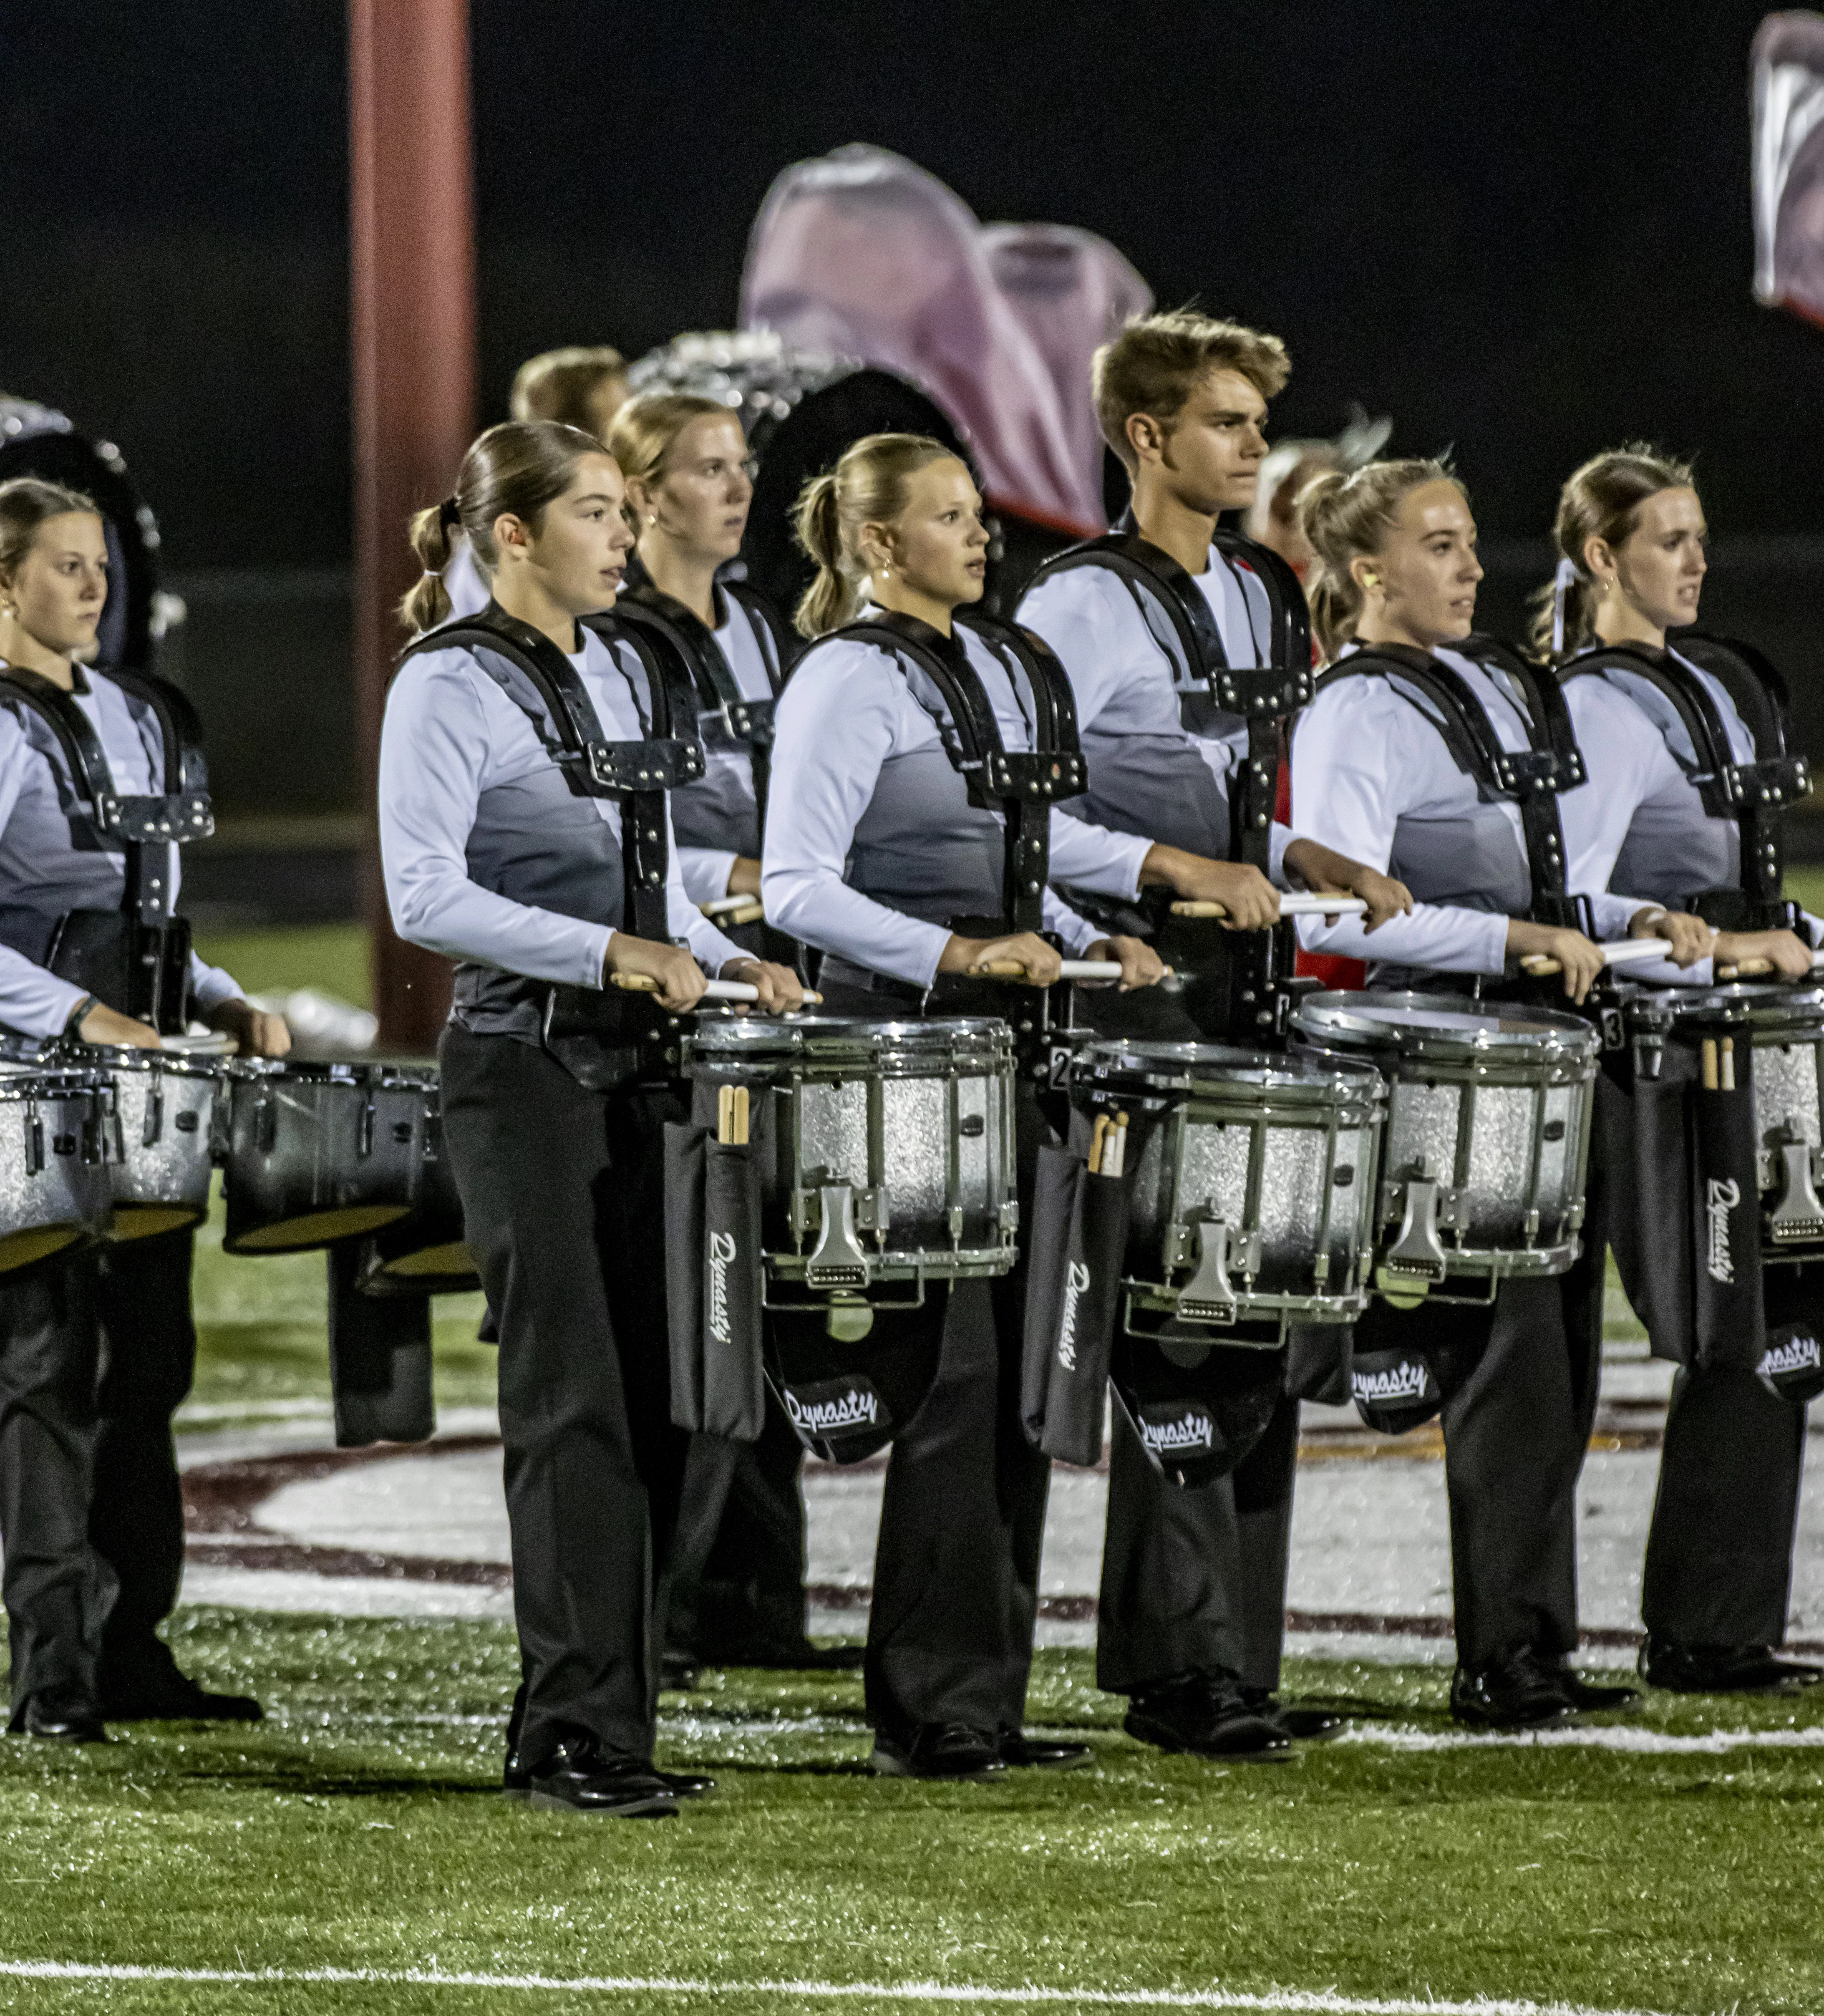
pixel 562 1201
pixel 1520 1384
pixel 1719 1553
pixel 738 1563
pixel 962 1521
pixel 1195 1581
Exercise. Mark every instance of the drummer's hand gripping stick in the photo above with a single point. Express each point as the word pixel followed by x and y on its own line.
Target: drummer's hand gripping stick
pixel 716 990
pixel 1302 905
pixel 1623 952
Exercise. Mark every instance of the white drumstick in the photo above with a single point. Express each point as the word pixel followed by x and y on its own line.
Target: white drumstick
pixel 737 909
pixel 1303 905
pixel 1623 951
pixel 714 990
pixel 1068 969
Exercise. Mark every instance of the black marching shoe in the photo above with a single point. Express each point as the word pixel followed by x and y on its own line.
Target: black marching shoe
pixel 1519 1690
pixel 1723 1669
pixel 515 1781
pixel 155 1691
pixel 1589 1698
pixel 585 1778
pixel 1300 1720
pixel 60 1718
pixel 1021 1752
pixel 940 1750
pixel 1208 1714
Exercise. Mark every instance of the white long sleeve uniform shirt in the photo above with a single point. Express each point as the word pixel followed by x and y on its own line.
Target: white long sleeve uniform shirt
pixel 450 733
pixel 1363 756
pixel 34 1001
pixel 1125 680
pixel 846 708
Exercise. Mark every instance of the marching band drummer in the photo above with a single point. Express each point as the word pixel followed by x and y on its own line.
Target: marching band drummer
pixel 490 859
pixel 1192 1611
pixel 1372 772
pixel 98 1347
pixel 738 1582
pixel 1630 535
pixel 871 847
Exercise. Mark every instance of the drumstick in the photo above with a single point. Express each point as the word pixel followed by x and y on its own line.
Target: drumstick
pixel 1623 952
pixel 738 1116
pixel 1114 1153
pixel 1068 969
pixel 1302 905
pixel 1728 1073
pixel 1098 1142
pixel 1710 1063
pixel 735 910
pixel 725 1113
pixel 716 990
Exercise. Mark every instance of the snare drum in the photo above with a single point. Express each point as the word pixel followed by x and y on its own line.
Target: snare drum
pixel 1252 1199
pixel 319 1153
pixel 54 1190
pixel 424 1254
pixel 886 1148
pixel 158 1136
pixel 1487 1132
pixel 1784 1027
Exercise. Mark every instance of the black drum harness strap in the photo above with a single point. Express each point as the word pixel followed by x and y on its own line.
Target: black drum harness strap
pixel 154 972
pixel 1246 996
pixel 1754 795
pixel 646 608
pixel 636 775
pixel 1022 785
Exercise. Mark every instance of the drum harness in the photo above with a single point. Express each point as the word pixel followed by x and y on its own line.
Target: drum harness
pixel 136 958
pixel 1252 971
pixel 1021 785
pixel 1755 795
pixel 621 1032
pixel 646 607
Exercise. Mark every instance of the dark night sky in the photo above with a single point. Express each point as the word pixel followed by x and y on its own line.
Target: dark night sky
pixel 1521 228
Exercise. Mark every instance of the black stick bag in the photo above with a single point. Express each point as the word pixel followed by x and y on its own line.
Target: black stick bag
pixel 1730 1314
pixel 1641 1134
pixel 713 1284
pixel 1076 1244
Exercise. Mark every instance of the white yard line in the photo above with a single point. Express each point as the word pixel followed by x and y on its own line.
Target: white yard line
pixel 1302 2003
pixel 1633 1742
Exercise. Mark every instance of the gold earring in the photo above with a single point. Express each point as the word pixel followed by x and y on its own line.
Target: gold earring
pixel 652 517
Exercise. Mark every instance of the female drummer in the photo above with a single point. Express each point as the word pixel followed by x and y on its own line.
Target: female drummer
pixel 491 859
pixel 1631 536
pixel 1372 774
pixel 871 847
pixel 737 1591
pixel 97 1348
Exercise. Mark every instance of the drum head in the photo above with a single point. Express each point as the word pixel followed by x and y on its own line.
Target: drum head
pixel 1142 1067
pixel 748 1039
pixel 37 1242
pixel 1442 1026
pixel 34 440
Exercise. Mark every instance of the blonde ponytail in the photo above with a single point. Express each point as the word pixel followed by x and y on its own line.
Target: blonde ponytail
pixel 1601 500
pixel 1346 518
pixel 427 602
pixel 867 487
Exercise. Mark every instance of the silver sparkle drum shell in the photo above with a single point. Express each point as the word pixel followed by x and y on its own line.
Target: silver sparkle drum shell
pixel 1785 1026
pixel 1280 1150
pixel 319 1153
pixel 157 1136
pixel 54 1191
pixel 1489 1104
pixel 908 1126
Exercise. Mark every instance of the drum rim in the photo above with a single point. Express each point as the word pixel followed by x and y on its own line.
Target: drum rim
pixel 112 1057
pixel 360 1072
pixel 1554 1031
pixel 1355 1074
pixel 747 1037
pixel 1764 1002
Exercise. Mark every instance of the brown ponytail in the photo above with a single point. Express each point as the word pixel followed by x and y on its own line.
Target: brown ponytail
pixel 1600 501
pixel 1344 518
pixel 518 467
pixel 867 487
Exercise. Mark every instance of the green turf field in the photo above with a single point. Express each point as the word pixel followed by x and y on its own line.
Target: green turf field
pixel 1668 1859
pixel 357 1829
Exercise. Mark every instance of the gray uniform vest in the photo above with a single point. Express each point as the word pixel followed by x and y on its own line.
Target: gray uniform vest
pixel 1675 850
pixel 536 842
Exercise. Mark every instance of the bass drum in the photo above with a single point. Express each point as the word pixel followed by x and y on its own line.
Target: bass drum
pixel 801 408
pixel 36 440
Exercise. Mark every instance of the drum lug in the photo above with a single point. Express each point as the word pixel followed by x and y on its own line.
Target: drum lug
pixel 836 1261
pixel 1207 1297
pixel 1418 1252
pixel 1798 1215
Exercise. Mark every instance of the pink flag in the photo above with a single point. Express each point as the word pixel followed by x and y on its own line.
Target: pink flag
pixel 1788 95
pixel 864 253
